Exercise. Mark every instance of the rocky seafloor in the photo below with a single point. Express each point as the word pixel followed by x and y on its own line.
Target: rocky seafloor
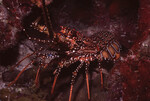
pixel 127 79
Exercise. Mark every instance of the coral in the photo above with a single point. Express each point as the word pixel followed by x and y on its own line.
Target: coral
pixel 143 24
pixel 133 81
pixel 133 70
pixel 11 15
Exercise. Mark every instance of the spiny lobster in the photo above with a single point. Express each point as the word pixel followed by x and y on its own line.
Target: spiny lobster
pixel 71 47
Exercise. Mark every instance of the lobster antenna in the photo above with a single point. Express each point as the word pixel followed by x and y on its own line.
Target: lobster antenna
pixel 47 20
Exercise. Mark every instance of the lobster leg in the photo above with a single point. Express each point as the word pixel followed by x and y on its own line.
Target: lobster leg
pixel 39 68
pixel 101 74
pixel 54 83
pixel 37 76
pixel 23 59
pixel 20 73
pixel 24 67
pixel 87 79
pixel 43 57
pixel 74 75
pixel 58 70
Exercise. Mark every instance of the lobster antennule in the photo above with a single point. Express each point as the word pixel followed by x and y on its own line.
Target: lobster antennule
pixel 48 20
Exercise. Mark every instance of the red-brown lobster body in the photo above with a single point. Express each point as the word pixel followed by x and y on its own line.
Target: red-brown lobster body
pixel 77 47
pixel 101 45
